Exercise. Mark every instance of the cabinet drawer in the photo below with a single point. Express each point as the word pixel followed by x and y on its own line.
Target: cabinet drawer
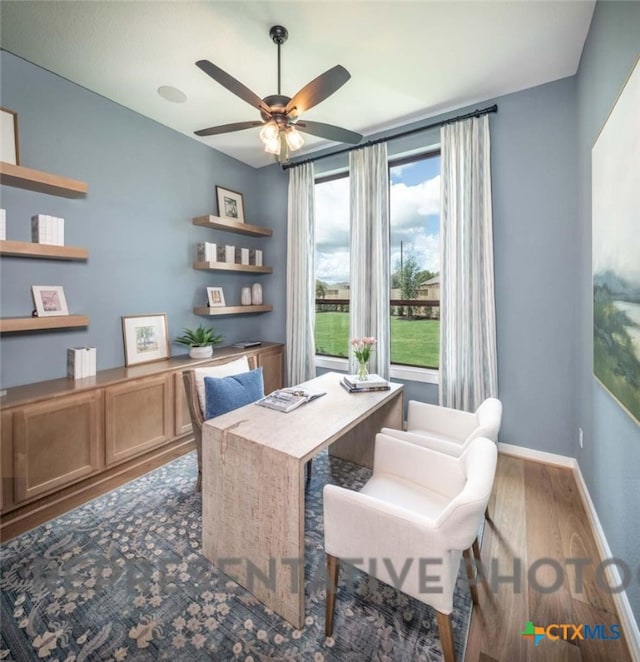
pixel 56 443
pixel 138 417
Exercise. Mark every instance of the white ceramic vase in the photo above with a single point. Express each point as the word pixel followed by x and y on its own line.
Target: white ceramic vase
pixel 256 294
pixel 246 296
pixel 201 352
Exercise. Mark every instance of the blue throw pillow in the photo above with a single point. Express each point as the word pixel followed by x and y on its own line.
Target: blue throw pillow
pixel 222 394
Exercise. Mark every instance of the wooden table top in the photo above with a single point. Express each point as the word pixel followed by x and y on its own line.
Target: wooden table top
pixel 302 432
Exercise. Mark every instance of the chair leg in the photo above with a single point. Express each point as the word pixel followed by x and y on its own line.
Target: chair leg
pixel 471 576
pixel 308 469
pixel 333 570
pixel 476 549
pixel 446 636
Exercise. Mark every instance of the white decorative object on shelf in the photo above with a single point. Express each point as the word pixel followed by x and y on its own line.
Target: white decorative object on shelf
pixel 256 294
pixel 3 224
pixel 246 296
pixel 81 362
pixel 47 229
pixel 230 254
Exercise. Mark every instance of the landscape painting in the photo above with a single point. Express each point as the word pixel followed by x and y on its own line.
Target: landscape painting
pixel 616 250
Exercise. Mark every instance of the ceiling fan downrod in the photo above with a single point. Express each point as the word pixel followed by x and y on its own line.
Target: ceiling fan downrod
pixel 279 35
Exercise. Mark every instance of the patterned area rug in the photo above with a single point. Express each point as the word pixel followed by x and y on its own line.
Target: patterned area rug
pixel 122 578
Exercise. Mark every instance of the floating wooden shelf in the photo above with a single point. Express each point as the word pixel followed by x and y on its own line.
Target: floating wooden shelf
pixel 43 182
pixel 227 266
pixel 44 251
pixel 232 310
pixel 229 225
pixel 14 324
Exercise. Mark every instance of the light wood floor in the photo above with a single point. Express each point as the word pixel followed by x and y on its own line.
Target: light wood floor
pixel 536 513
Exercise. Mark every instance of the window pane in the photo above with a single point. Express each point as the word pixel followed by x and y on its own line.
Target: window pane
pixel 332 266
pixel 414 198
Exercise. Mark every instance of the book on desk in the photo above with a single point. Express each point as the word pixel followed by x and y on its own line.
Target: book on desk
pixel 288 399
pixel 353 384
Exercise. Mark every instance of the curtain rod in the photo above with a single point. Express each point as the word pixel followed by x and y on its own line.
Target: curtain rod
pixel 476 113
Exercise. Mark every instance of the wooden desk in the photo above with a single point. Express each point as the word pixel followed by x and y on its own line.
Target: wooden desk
pixel 253 483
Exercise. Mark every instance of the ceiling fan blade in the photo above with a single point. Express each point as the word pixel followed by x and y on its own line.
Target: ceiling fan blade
pixel 329 131
pixel 232 85
pixel 227 128
pixel 318 90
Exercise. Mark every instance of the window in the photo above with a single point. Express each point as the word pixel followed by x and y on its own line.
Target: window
pixel 414 201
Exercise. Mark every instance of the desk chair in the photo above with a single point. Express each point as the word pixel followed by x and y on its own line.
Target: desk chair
pixel 418 504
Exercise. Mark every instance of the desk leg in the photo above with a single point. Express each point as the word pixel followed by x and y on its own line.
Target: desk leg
pixel 358 444
pixel 253 519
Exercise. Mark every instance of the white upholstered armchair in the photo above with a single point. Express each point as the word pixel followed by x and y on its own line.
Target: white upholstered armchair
pixel 418 505
pixel 449 430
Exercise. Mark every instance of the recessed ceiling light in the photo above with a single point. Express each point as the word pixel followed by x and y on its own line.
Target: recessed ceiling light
pixel 172 94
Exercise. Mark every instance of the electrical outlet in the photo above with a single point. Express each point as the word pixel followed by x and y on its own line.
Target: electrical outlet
pixel 581 437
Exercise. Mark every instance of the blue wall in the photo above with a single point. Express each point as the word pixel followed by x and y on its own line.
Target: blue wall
pixel 610 460
pixel 146 182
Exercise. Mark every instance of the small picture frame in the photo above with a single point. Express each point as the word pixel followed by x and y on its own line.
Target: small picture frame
pixel 230 204
pixel 49 300
pixel 215 297
pixel 9 136
pixel 146 338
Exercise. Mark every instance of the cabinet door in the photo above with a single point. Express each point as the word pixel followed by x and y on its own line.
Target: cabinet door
pixel 6 459
pixel 56 443
pixel 182 415
pixel 272 362
pixel 139 417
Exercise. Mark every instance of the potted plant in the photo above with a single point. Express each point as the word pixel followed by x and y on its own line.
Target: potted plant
pixel 200 341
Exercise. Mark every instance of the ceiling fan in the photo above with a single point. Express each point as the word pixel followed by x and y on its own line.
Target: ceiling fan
pixel 280 114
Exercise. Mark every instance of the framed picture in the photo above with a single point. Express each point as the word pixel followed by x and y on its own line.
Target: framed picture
pixel 215 296
pixel 9 136
pixel 230 204
pixel 146 338
pixel 616 249
pixel 49 300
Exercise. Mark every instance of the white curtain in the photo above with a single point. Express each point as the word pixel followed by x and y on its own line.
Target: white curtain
pixel 468 360
pixel 300 276
pixel 369 245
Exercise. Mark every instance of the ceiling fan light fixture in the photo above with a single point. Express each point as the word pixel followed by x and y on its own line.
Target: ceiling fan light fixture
pixel 294 139
pixel 272 146
pixel 269 132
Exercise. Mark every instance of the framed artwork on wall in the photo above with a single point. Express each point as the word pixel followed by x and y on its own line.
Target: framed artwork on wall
pixel 146 338
pixel 230 204
pixel 215 297
pixel 616 249
pixel 9 136
pixel 49 300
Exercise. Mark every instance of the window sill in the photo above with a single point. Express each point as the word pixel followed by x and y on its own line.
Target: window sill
pixel 403 372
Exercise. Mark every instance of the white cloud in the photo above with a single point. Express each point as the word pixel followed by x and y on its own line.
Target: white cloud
pixel 409 203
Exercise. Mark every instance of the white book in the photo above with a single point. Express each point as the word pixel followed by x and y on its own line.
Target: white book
pixel 74 362
pixel 90 361
pixel 38 229
pixel 371 380
pixel 60 231
pixel 258 258
pixel 244 256
pixel 230 254
pixel 48 229
pixel 212 252
pixel 3 224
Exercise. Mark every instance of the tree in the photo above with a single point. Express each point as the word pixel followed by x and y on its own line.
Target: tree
pixel 408 277
pixel 321 289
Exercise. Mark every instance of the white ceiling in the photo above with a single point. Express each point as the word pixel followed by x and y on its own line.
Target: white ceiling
pixel 408 60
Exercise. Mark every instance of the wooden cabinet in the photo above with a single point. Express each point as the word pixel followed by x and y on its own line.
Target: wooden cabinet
pixel 65 441
pixel 42 182
pixel 229 225
pixel 138 417
pixel 55 443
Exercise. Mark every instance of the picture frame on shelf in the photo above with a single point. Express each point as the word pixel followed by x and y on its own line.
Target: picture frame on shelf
pixel 146 338
pixel 215 297
pixel 230 204
pixel 49 300
pixel 9 136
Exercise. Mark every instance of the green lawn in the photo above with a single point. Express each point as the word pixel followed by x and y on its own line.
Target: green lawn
pixel 413 342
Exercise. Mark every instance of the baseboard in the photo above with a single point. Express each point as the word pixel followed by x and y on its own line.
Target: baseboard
pixel 627 619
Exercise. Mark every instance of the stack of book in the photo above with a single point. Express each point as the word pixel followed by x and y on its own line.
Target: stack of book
pixel 47 229
pixel 207 252
pixel 372 383
pixel 81 362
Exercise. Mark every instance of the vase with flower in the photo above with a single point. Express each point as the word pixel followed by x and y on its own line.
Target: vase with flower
pixel 362 348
